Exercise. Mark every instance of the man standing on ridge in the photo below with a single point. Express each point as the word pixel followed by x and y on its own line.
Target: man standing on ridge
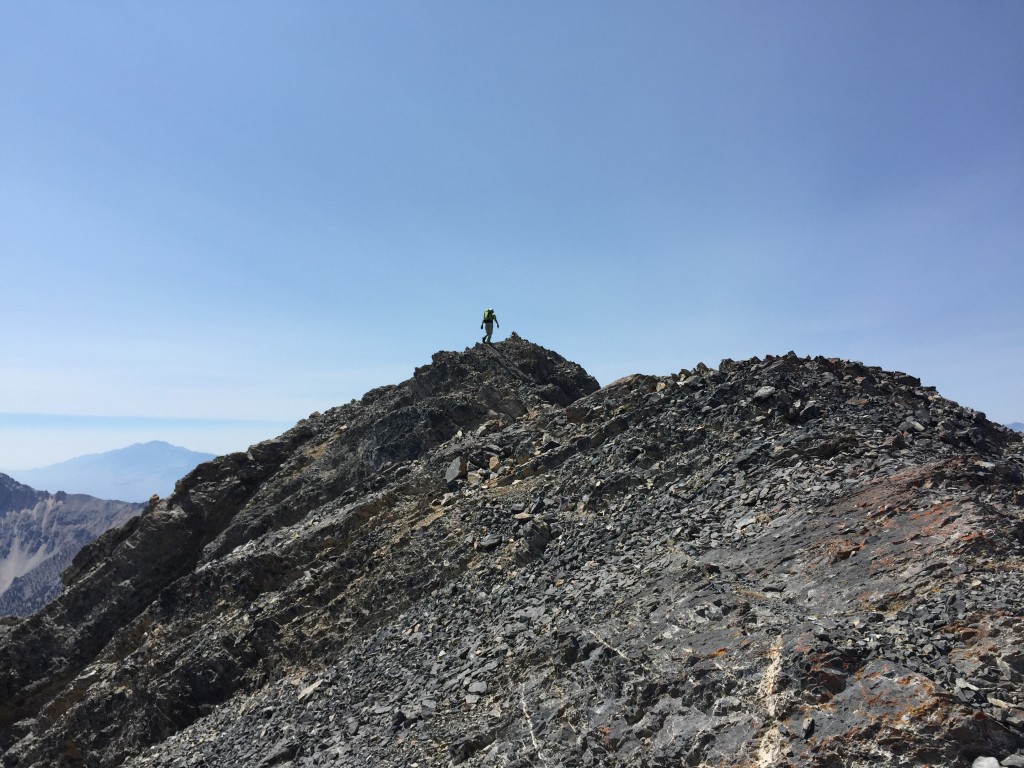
pixel 490 320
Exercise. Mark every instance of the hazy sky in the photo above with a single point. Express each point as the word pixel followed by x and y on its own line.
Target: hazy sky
pixel 218 217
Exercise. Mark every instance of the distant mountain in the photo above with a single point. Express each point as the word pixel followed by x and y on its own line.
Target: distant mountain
pixel 40 533
pixel 1016 426
pixel 130 474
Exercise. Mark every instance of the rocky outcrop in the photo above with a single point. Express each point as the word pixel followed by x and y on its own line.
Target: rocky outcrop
pixel 787 561
pixel 40 533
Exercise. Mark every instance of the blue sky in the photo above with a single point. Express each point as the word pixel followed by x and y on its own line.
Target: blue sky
pixel 216 218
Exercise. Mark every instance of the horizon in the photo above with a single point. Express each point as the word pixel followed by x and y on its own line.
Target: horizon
pixel 29 439
pixel 220 220
pixel 122 449
pixel 229 436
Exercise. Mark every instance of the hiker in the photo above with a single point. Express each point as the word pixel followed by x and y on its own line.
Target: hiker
pixel 490 320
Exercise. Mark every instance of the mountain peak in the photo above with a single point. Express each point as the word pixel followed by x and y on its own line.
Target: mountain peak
pixel 15 495
pixel 133 473
pixel 40 534
pixel 784 556
pixel 513 363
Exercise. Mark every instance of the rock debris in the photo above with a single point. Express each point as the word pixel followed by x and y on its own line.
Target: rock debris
pixel 782 561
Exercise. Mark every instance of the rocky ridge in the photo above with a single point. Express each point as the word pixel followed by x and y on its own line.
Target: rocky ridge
pixel 787 561
pixel 40 533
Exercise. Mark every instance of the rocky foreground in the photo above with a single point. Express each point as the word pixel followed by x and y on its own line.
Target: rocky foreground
pixel 788 561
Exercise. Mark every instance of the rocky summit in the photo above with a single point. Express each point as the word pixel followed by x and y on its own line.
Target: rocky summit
pixel 786 561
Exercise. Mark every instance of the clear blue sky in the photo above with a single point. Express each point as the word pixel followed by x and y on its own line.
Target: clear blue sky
pixel 218 217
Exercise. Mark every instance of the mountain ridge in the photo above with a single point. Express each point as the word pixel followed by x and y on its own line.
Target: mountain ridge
pixel 39 535
pixel 801 561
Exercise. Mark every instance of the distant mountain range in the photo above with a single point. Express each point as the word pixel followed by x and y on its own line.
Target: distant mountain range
pixel 40 533
pixel 129 474
pixel 1016 426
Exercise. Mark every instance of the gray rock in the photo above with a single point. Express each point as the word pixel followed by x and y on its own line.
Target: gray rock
pixel 457 470
pixel 40 534
pixel 489 543
pixel 282 752
pixel 627 622
pixel 810 411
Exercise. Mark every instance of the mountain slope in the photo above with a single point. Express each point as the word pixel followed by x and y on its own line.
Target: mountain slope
pixel 784 561
pixel 1016 426
pixel 40 533
pixel 134 473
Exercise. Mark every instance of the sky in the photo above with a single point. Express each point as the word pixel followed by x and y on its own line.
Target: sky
pixel 219 217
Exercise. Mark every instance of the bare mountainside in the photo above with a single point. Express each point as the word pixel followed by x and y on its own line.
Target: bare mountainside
pixel 39 535
pixel 787 561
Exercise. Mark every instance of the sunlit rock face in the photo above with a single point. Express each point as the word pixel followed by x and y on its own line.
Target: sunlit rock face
pixel 781 561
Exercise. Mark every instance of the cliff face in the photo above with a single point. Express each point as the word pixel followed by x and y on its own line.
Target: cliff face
pixel 39 535
pixel 782 561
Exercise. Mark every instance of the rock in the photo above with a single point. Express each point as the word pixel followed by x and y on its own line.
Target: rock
pixel 309 690
pixel 699 578
pixel 282 752
pixel 745 522
pixel 537 535
pixel 457 470
pixel 40 535
pixel 810 411
pixel 489 542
